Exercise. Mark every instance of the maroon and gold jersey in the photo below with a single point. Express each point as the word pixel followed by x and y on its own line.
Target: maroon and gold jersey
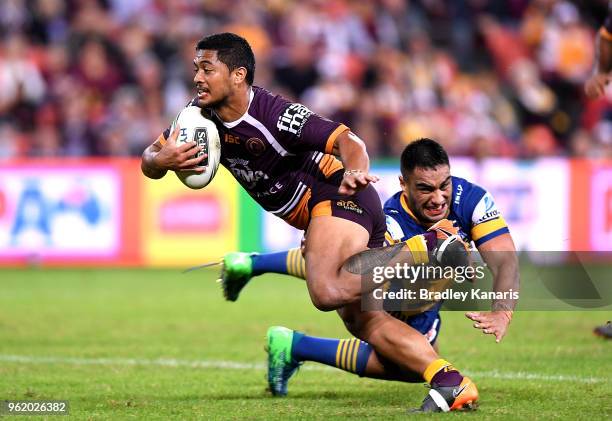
pixel 278 151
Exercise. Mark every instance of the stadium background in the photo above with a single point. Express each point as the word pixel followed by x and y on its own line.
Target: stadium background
pixel 87 84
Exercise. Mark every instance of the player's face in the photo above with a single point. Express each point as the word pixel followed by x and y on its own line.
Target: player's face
pixel 429 193
pixel 212 79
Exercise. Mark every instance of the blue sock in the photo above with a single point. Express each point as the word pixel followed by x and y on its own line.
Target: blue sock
pixel 289 262
pixel 346 354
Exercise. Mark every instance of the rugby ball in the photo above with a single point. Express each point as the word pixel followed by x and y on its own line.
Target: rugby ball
pixel 195 127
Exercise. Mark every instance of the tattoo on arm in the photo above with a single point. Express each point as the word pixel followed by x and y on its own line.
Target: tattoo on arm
pixel 364 262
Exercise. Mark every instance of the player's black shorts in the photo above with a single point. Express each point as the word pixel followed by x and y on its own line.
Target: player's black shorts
pixel 363 208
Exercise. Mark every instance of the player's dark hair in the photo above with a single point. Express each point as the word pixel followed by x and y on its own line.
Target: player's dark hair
pixel 232 50
pixel 422 153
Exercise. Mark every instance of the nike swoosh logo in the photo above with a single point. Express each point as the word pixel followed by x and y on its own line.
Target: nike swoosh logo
pixel 457 392
pixel 448 233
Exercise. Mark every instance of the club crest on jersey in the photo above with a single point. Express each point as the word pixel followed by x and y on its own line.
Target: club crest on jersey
pixel 293 119
pixel 255 146
pixel 349 205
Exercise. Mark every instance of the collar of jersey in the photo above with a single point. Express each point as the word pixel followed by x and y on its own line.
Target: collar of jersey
pixel 234 123
pixel 405 206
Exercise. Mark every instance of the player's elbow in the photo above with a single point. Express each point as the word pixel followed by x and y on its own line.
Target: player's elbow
pixel 349 143
pixel 148 167
pixel 151 172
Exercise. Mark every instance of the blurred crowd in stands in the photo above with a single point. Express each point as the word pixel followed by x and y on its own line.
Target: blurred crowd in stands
pixel 484 77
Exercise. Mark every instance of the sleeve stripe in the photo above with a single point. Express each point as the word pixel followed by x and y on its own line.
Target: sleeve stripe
pixel 605 34
pixel 418 249
pixel 329 145
pixel 389 238
pixel 486 228
pixel 492 235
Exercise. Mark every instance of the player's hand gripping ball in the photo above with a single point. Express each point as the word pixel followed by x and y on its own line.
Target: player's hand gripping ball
pixel 194 127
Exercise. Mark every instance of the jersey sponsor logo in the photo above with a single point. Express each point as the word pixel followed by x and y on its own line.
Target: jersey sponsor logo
pixel 255 146
pixel 242 172
pixel 485 210
pixel 229 138
pixel 349 205
pixel 293 119
pixel 458 195
pixel 489 203
pixel 271 191
pixel 488 216
pixel 238 162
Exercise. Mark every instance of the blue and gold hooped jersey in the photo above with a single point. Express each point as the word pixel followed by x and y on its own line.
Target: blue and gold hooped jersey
pixel 472 208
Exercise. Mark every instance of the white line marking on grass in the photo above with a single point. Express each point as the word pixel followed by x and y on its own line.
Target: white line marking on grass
pixel 521 375
pixel 235 365
pixel 160 362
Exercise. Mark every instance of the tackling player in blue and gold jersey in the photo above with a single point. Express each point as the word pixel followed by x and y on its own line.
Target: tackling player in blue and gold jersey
pixel 428 192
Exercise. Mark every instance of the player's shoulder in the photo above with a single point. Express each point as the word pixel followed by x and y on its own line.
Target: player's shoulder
pixel 278 111
pixel 393 218
pixel 264 101
pixel 268 107
pixel 393 203
pixel 466 194
pixel 472 203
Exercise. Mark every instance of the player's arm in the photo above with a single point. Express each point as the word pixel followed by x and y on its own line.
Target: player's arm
pixel 602 72
pixel 500 256
pixel 164 154
pixel 352 152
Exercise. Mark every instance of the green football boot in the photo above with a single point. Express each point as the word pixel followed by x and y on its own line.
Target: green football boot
pixel 281 365
pixel 236 272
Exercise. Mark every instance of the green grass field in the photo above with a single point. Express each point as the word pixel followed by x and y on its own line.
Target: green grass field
pixel 147 344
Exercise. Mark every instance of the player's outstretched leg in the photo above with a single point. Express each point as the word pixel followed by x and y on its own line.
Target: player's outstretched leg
pixel 288 349
pixel 409 351
pixel 442 243
pixel 281 364
pixel 239 268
